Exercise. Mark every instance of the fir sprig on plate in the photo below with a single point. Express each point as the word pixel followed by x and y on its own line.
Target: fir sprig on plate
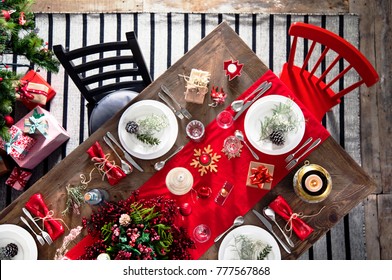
pixel 282 121
pixel 250 249
pixel 145 129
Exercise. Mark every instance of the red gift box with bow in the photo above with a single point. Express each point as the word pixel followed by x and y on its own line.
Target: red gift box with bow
pixel 18 178
pixel 34 90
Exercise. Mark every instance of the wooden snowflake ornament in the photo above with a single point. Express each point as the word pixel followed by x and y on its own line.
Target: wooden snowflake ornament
pixel 206 160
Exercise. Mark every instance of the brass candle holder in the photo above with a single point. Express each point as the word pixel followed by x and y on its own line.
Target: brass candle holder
pixel 312 183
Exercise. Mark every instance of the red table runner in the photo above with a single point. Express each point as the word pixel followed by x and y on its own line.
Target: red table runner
pixel 234 170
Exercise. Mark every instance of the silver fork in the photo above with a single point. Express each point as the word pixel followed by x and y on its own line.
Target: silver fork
pixel 177 112
pixel 45 235
pixel 291 156
pixel 124 165
pixel 295 161
pixel 183 110
pixel 39 237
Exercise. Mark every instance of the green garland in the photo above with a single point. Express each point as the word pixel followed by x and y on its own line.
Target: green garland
pixel 18 36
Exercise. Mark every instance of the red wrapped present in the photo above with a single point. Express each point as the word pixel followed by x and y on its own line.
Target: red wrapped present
pixel 38 208
pixel 19 145
pixel 260 175
pixel 18 178
pixel 34 90
pixel 51 135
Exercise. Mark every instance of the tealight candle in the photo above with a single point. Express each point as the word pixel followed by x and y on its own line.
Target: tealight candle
pixel 313 183
pixel 232 68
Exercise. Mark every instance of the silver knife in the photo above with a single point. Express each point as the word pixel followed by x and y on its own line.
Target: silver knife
pixel 176 112
pixel 248 103
pixel 269 227
pixel 126 155
pixel 184 111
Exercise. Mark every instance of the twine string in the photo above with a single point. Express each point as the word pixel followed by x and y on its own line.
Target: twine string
pixel 289 225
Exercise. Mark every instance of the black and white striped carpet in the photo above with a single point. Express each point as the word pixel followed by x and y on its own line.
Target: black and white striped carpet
pixel 164 38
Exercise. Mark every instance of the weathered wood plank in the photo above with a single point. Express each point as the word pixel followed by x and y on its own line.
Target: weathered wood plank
pixel 191 6
pixel 372 232
pixel 385 225
pixel 88 6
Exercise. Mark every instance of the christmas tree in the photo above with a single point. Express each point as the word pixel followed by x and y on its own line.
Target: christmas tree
pixel 18 36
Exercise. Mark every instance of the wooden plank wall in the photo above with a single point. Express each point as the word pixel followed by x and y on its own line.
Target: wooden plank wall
pixel 191 6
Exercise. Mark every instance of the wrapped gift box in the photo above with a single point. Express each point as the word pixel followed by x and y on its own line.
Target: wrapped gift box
pixel 55 136
pixel 18 178
pixel 35 90
pixel 19 145
pixel 257 169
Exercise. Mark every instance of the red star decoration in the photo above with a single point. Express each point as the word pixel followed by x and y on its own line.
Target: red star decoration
pixel 232 68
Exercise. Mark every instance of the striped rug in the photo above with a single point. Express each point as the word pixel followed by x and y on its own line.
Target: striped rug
pixel 164 38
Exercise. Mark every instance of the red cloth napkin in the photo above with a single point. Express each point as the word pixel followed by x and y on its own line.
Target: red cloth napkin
pixel 113 173
pixel 38 208
pixel 283 209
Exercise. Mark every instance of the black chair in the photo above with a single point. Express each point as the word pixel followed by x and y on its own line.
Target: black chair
pixel 109 75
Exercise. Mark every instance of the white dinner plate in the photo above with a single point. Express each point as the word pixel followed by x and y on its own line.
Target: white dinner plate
pixel 27 248
pixel 167 136
pixel 263 108
pixel 226 249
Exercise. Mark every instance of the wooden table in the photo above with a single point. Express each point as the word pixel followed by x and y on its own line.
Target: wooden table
pixel 350 183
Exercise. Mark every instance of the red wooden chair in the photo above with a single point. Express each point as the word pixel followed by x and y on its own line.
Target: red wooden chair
pixel 311 84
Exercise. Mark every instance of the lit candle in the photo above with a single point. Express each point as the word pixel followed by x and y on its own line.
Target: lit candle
pixel 232 68
pixel 313 183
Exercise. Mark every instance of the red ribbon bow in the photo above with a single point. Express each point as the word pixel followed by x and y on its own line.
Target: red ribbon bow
pixel 112 171
pixel 23 92
pixel 38 208
pixel 260 175
pixel 19 176
pixel 282 208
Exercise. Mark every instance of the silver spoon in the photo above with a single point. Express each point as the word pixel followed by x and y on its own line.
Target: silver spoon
pixel 237 222
pixel 271 214
pixel 160 164
pixel 240 136
pixel 124 165
pixel 237 105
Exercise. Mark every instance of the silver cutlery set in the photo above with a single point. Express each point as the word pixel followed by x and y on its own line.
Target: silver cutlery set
pixel 181 112
pixel 42 236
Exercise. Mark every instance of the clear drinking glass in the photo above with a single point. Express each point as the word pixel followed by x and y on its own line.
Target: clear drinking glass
pixel 202 233
pixel 224 119
pixel 195 130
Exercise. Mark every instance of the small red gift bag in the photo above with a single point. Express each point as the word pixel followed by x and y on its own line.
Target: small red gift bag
pixel 34 90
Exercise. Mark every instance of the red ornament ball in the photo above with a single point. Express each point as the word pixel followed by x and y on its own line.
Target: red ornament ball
pixel 6 15
pixel 205 159
pixel 185 209
pixel 9 121
pixel 204 192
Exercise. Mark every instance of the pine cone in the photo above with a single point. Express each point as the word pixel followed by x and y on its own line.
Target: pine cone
pixel 132 127
pixel 9 251
pixel 277 137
